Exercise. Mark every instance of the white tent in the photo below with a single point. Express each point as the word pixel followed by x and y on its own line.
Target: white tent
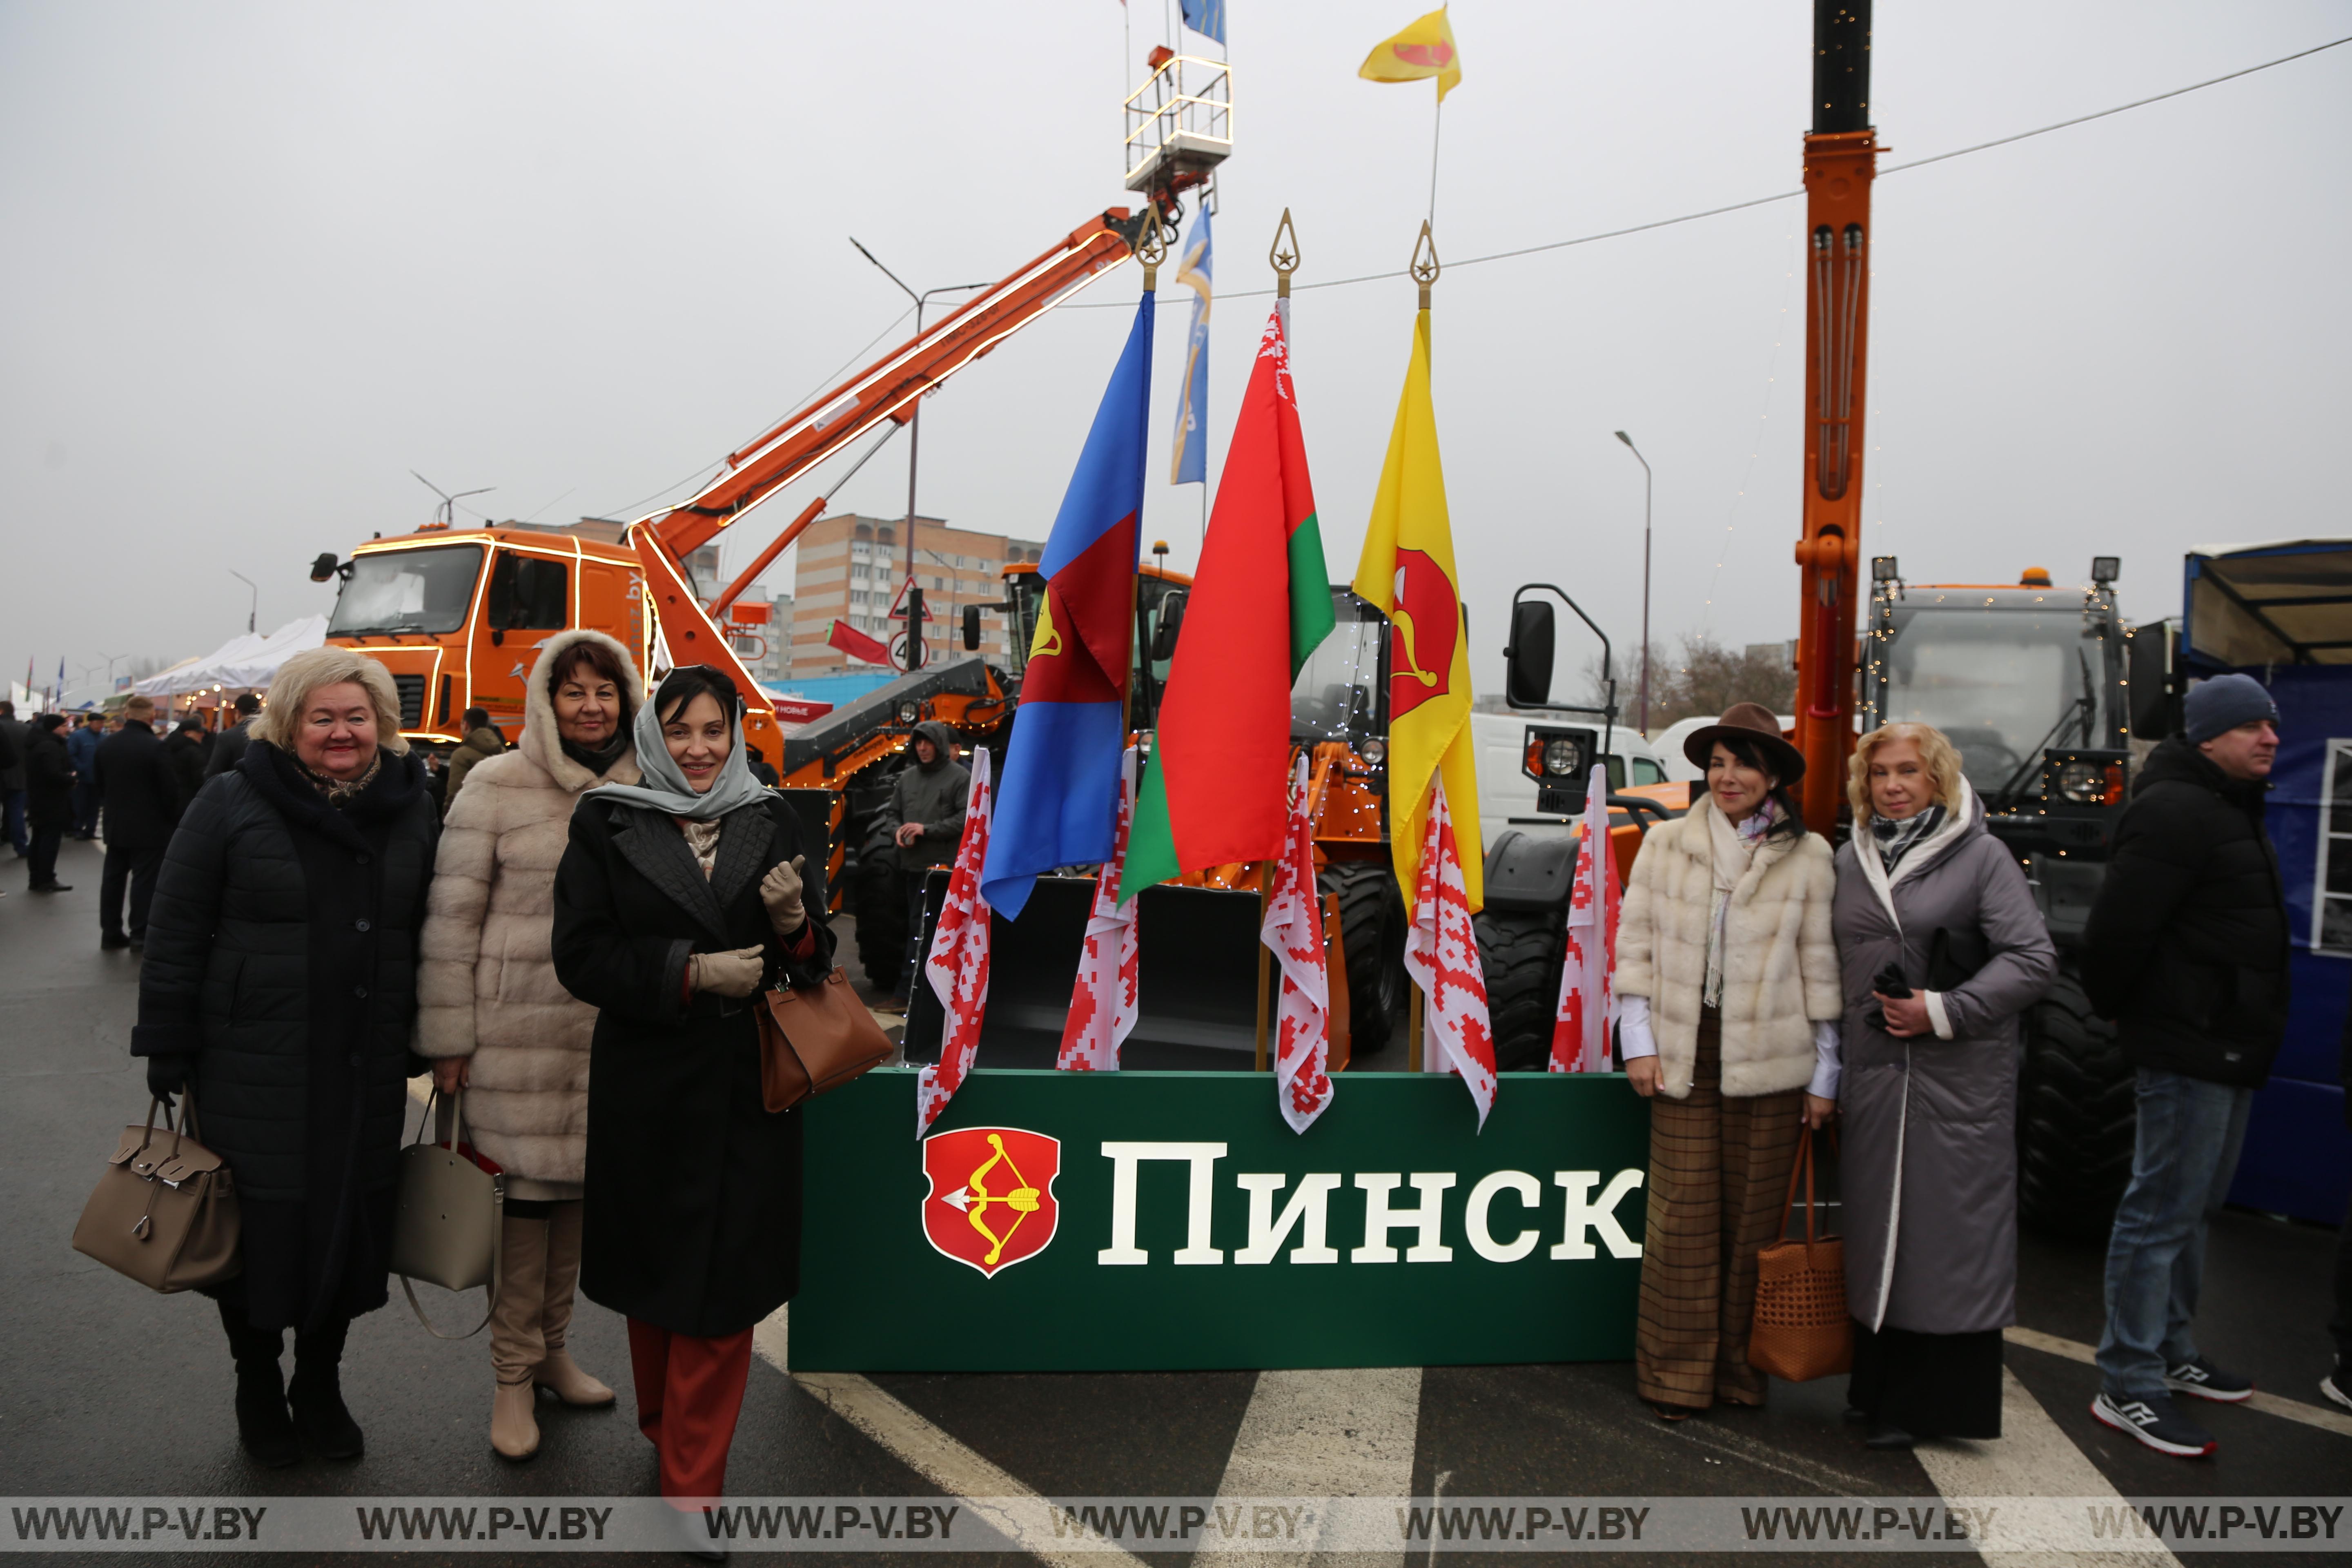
pixel 245 660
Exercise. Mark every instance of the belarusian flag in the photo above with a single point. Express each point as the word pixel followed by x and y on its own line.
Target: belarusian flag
pixel 1261 600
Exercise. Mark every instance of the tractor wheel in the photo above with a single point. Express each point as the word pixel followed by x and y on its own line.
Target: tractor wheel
pixel 1521 952
pixel 2075 1116
pixel 879 894
pixel 1371 932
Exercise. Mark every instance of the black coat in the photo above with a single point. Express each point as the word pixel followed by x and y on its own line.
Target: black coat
pixel 693 1202
pixel 228 748
pixel 48 780
pixel 2187 945
pixel 281 951
pixel 187 755
pixel 134 780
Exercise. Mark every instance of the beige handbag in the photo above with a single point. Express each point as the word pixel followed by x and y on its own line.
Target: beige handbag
pixel 164 1212
pixel 450 1225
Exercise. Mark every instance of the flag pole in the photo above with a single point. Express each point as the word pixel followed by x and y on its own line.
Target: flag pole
pixel 1284 259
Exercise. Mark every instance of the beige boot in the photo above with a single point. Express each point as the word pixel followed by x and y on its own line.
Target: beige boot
pixel 557 1369
pixel 515 1343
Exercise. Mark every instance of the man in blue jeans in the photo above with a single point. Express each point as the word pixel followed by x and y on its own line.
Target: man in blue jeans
pixel 2187 951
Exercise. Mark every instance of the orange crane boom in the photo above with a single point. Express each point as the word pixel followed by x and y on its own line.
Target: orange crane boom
pixel 1841 160
pixel 886 389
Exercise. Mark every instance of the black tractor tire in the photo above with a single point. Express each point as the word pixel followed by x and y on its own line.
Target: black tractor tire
pixel 1521 952
pixel 879 896
pixel 2075 1116
pixel 1371 933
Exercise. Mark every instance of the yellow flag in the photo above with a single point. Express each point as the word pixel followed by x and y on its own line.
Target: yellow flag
pixel 1407 570
pixel 1424 49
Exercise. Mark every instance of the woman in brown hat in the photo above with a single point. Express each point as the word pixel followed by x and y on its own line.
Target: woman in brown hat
pixel 1727 975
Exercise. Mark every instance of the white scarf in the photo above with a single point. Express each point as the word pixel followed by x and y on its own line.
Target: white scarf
pixel 1734 851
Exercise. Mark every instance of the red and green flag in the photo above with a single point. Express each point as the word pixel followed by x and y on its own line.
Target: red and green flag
pixel 1261 601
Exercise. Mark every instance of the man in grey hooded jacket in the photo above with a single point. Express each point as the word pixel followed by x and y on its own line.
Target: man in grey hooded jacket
pixel 925 818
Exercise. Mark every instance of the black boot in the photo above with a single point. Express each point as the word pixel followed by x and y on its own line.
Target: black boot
pixel 263 1424
pixel 317 1394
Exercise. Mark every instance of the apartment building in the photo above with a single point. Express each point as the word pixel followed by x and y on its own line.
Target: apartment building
pixel 851 568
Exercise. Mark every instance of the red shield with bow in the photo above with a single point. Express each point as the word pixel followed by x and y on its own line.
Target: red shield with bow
pixel 992 1200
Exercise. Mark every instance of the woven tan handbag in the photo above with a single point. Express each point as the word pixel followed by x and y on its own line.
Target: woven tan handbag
pixel 1801 1329
pixel 165 1209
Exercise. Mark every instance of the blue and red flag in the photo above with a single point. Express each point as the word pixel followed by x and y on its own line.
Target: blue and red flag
pixel 1058 804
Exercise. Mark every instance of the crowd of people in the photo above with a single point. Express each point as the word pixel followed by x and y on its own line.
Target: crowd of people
pixel 1769 986
pixel 570 933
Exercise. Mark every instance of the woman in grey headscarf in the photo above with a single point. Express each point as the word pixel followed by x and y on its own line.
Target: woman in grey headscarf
pixel 1929 1088
pixel 679 899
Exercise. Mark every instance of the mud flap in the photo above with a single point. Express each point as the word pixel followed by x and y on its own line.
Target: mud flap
pixel 1199 978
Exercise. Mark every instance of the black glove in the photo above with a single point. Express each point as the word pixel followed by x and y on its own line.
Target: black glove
pixel 1888 982
pixel 167 1076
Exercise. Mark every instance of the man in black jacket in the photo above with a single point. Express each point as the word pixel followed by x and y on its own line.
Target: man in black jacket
pixel 139 795
pixel 2187 949
pixel 49 799
pixel 229 746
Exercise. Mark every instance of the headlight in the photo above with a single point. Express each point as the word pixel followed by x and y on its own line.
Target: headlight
pixel 909 712
pixel 2091 784
pixel 1559 757
pixel 1374 751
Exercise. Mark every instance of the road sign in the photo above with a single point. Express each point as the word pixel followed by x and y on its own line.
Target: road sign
pixel 899 605
pixel 898 650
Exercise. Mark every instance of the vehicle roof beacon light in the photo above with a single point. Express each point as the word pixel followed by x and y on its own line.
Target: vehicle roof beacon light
pixel 2034 577
pixel 1882 569
pixel 2105 569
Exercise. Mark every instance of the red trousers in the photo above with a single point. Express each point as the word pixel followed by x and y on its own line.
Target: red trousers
pixel 689 1393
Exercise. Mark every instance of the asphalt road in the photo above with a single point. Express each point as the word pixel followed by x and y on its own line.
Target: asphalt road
pixel 114 1392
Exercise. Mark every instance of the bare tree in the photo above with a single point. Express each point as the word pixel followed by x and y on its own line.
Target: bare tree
pixel 1702 681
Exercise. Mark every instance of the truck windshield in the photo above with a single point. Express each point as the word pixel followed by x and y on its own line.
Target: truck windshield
pixel 1338 690
pixel 427 590
pixel 1996 682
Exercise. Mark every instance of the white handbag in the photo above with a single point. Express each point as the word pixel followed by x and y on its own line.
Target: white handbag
pixel 450 1225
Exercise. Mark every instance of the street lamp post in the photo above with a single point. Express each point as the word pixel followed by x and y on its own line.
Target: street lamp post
pixel 1646 478
pixel 253 610
pixel 914 436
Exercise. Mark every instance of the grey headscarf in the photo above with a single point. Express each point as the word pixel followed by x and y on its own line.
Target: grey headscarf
pixel 665 788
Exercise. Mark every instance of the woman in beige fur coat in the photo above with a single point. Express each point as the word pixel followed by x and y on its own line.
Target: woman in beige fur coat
pixel 496 1021
pixel 1728 979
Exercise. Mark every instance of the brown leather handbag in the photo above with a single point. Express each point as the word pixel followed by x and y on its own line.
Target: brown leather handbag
pixel 164 1212
pixel 1801 1329
pixel 814 1038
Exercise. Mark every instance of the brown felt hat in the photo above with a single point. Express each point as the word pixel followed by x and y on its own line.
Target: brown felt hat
pixel 1754 722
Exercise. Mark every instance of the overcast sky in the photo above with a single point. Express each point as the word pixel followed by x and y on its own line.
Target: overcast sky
pixel 263 260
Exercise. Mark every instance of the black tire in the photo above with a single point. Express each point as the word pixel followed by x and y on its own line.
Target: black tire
pixel 2075 1116
pixel 879 895
pixel 1371 932
pixel 1521 952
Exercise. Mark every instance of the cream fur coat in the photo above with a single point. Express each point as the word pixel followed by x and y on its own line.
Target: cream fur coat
pixel 1779 959
pixel 487 988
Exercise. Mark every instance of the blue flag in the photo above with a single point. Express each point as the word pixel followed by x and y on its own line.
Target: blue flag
pixel 1189 461
pixel 1206 17
pixel 1058 802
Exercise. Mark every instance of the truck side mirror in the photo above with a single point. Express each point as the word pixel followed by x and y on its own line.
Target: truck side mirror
pixel 1171 622
pixel 324 567
pixel 2150 670
pixel 1528 660
pixel 972 629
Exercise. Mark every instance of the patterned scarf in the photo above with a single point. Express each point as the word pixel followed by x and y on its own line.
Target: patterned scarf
pixel 341 793
pixel 1745 836
pixel 1897 836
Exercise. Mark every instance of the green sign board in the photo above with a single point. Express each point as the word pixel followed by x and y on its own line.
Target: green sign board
pixel 1065 1222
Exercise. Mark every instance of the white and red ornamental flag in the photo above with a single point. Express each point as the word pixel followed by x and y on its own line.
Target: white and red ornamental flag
pixel 957 965
pixel 1580 1028
pixel 1103 1003
pixel 1293 928
pixel 1440 953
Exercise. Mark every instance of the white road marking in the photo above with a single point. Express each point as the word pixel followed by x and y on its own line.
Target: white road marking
pixel 2033 1457
pixel 1323 1434
pixel 2287 1409
pixel 946 1463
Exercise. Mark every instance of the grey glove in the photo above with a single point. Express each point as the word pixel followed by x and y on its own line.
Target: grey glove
pixel 735 973
pixel 780 892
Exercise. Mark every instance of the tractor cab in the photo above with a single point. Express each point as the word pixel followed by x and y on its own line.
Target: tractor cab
pixel 1158 610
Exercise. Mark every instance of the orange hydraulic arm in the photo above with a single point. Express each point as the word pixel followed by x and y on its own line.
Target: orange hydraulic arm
pixel 1841 160
pixel 887 389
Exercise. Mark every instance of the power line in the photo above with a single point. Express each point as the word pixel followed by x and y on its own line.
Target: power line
pixel 1757 201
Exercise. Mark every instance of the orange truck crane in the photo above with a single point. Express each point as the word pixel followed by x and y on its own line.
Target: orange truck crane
pixel 454 614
